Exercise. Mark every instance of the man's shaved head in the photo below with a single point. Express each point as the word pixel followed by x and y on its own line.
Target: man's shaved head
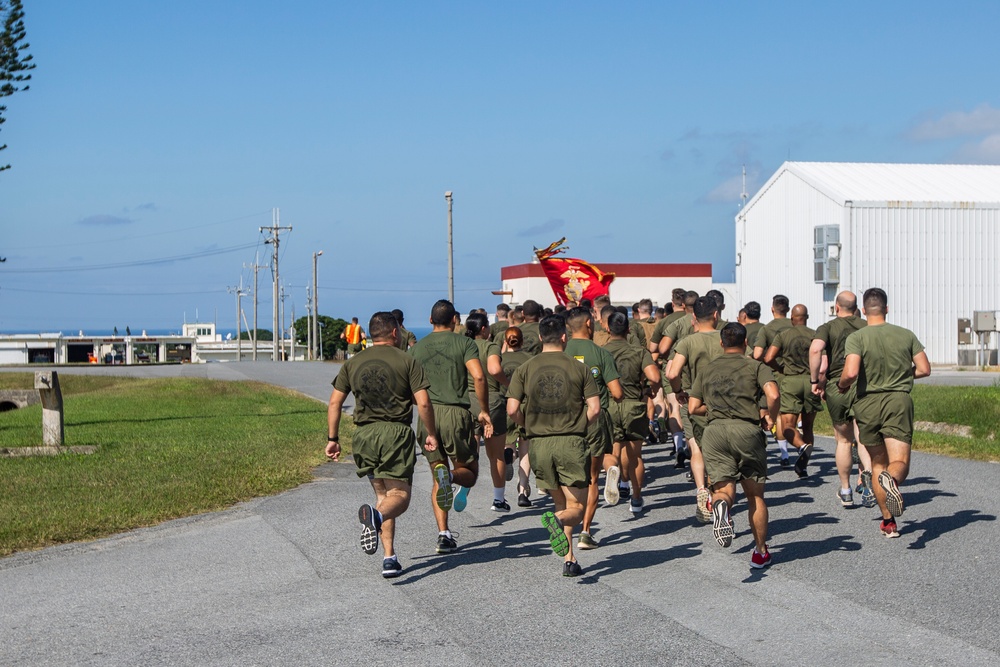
pixel 799 314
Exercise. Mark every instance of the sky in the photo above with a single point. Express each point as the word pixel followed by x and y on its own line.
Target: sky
pixel 158 138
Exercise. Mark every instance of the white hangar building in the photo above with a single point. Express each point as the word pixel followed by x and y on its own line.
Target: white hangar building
pixel 929 235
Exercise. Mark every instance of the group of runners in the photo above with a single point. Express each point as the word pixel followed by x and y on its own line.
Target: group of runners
pixel 579 390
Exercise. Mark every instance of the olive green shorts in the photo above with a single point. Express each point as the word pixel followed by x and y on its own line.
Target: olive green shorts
pixel 733 450
pixel 455 432
pixel 385 450
pixel 498 414
pixel 560 460
pixel 354 348
pixel 841 406
pixel 599 435
pixel 628 420
pixel 515 433
pixel 797 396
pixel 885 415
pixel 694 426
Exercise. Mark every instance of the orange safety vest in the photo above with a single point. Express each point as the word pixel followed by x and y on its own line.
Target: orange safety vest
pixel 353 333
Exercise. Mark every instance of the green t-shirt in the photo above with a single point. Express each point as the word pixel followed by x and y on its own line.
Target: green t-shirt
pixel 631 362
pixel 770 331
pixel 887 353
pixel 638 334
pixel 661 326
pixel 497 330
pixel 793 349
pixel 598 360
pixel 752 330
pixel 731 386
pixel 834 334
pixel 487 349
pixel 383 380
pixel 510 361
pixel 553 390
pixel 697 349
pixel 532 344
pixel 443 355
pixel 406 339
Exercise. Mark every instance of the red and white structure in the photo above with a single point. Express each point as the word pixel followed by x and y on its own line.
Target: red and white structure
pixel 632 282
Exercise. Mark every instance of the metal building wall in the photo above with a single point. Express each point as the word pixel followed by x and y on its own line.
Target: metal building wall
pixel 774 239
pixel 937 263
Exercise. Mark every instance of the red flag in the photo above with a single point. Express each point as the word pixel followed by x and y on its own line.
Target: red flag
pixel 572 279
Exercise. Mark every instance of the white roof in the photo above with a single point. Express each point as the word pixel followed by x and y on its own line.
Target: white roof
pixel 873 182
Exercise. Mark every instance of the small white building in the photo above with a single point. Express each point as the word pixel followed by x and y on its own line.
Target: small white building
pixel 632 282
pixel 929 235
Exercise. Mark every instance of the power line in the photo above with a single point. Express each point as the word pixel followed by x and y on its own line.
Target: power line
pixel 141 262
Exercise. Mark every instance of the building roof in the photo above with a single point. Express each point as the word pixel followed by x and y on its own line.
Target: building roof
pixel 941 184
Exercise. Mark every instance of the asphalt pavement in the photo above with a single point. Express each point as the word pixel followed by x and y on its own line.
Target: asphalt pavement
pixel 282 580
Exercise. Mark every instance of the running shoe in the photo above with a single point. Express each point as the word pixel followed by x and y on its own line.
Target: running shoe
pixel 611 485
pixel 446 543
pixel 461 499
pixel 723 523
pixel 805 451
pixel 635 506
pixel 703 511
pixel 681 456
pixel 624 491
pixel 523 500
pixel 444 495
pixel 370 526
pixel 893 498
pixel 391 568
pixel 759 561
pixel 500 506
pixel 557 538
pixel 572 569
pixel 867 494
pixel 855 459
pixel 508 461
pixel 888 528
pixel 689 476
pixel 846 497
pixel 785 462
pixel 586 542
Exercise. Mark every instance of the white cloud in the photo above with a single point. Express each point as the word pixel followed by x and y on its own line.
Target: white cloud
pixel 984 151
pixel 730 190
pixel 544 228
pixel 103 219
pixel 983 120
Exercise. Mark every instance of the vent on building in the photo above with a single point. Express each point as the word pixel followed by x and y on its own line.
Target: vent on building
pixel 826 254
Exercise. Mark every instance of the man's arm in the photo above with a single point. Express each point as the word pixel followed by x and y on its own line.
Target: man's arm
pixel 772 354
pixel 514 411
pixel 852 367
pixel 615 389
pixel 674 373
pixel 696 407
pixel 652 373
pixel 921 367
pixel 593 409
pixel 482 395
pixel 333 424
pixel 496 370
pixel 817 369
pixel 665 344
pixel 426 413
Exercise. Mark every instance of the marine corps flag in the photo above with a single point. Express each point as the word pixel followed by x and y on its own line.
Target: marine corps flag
pixel 572 279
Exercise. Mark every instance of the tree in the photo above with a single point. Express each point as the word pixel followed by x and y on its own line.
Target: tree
pixel 262 334
pixel 14 61
pixel 330 330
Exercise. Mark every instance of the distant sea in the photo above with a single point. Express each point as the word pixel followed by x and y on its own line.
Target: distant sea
pixel 419 332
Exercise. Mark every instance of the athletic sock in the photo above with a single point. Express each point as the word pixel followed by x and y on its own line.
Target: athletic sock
pixel 783 446
pixel 498 494
pixel 678 441
pixel 446 533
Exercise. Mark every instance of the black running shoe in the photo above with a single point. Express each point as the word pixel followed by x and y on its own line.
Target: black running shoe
pixel 723 523
pixel 523 500
pixel 500 506
pixel 785 462
pixel 681 456
pixel 893 498
pixel 391 568
pixel 805 451
pixel 370 526
pixel 572 569
pixel 446 544
pixel 624 492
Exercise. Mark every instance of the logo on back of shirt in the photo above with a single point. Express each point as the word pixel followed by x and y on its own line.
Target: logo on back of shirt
pixel 373 381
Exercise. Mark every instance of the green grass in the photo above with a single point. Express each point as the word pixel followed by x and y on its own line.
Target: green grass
pixel 977 407
pixel 166 449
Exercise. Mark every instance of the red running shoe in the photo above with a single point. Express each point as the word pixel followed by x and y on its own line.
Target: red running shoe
pixel 758 560
pixel 888 528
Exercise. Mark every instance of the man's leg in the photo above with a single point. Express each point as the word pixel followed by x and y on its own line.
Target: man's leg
pixel 392 498
pixel 569 509
pixel 808 419
pixel 524 466
pixel 632 460
pixel 757 513
pixel 495 447
pixel 723 497
pixel 842 434
pixel 440 515
pixel 896 468
pixel 593 494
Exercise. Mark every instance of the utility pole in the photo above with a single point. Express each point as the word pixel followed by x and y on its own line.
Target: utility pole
pixel 256 267
pixel 309 325
pixel 282 321
pixel 239 329
pixel 451 254
pixel 314 329
pixel 275 229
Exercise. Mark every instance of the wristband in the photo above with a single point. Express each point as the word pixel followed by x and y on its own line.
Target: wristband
pixel 333 439
pixel 813 381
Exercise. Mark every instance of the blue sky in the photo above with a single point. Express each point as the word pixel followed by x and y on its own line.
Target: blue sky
pixel 169 131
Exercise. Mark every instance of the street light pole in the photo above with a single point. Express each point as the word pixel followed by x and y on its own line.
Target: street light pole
pixel 315 305
pixel 451 253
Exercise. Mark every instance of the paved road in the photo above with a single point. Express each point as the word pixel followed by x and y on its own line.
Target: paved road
pixel 282 581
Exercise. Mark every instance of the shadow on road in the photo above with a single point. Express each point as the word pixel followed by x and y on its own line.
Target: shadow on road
pixel 935 527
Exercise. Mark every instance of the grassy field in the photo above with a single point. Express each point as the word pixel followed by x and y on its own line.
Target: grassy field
pixel 166 449
pixel 977 407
